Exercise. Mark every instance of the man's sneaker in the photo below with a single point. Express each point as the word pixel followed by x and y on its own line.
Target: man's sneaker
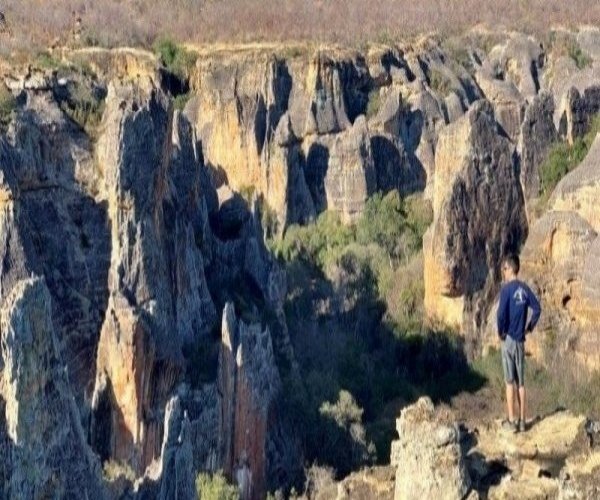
pixel 509 426
pixel 522 427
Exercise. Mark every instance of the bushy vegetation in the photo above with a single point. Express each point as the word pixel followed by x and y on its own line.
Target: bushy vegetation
pixel 582 60
pixel 554 385
pixel 373 104
pixel 177 59
pixel 565 44
pixel 215 487
pixel 140 22
pixel 181 100
pixel 354 311
pixel 85 106
pixel 113 470
pixel 7 106
pixel 563 157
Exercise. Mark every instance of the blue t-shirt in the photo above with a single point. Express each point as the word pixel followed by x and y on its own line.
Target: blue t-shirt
pixel 515 300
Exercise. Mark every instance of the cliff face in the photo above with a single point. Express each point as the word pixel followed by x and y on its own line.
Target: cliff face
pixel 560 257
pixel 290 128
pixel 479 215
pixel 44 449
pixel 157 326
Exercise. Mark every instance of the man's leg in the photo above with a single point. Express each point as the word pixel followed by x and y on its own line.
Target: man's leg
pixel 522 402
pixel 510 401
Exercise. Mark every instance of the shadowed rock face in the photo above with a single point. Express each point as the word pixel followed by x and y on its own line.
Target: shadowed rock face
pixel 158 294
pixel 536 137
pixel 479 216
pixel 53 226
pixel 248 383
pixel 43 446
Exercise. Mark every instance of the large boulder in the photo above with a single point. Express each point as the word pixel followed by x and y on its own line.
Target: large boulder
pixel 479 216
pixel 428 456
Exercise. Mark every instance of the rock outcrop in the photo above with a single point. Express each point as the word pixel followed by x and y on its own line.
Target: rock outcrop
pixel 536 136
pixel 248 384
pixel 42 443
pixel 155 304
pixel 479 216
pixel 438 459
pixel 171 477
pixel 428 456
pixel 290 128
pixel 560 258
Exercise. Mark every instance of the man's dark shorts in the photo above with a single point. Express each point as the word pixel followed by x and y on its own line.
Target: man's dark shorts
pixel 513 361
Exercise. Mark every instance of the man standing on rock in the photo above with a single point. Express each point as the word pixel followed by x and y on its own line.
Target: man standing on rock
pixel 516 298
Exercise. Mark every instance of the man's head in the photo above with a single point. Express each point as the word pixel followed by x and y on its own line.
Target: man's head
pixel 510 267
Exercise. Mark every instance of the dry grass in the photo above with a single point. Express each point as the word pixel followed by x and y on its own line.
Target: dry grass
pixel 35 23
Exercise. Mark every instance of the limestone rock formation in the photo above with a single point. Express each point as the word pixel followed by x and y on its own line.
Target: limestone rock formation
pixel 248 383
pixel 290 129
pixel 155 304
pixel 578 191
pixel 42 443
pixel 52 226
pixel 536 136
pixel 479 216
pixel 560 258
pixel 171 477
pixel 429 459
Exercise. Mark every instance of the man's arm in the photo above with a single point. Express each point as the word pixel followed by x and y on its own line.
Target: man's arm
pixel 502 316
pixel 536 310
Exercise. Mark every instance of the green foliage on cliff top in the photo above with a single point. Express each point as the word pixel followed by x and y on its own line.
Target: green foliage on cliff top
pixel 7 105
pixel 177 59
pixel 85 108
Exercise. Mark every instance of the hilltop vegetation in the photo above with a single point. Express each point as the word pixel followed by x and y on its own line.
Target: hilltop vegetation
pixel 141 22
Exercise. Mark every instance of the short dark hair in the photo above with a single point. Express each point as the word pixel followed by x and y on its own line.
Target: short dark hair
pixel 512 261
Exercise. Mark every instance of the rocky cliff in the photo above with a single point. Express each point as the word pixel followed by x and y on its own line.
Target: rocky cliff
pixel 153 331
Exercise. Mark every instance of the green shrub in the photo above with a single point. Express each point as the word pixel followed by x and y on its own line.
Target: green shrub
pixel 318 243
pixel 383 222
pixel 113 470
pixel 582 60
pixel 215 487
pixel 373 103
pixel 45 60
pixel 563 158
pixel 346 443
pixel 176 59
pixel 84 108
pixel 8 105
pixel 181 100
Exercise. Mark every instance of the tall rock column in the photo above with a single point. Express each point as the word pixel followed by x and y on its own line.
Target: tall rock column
pixel 248 383
pixel 479 216
pixel 158 294
pixel 43 449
